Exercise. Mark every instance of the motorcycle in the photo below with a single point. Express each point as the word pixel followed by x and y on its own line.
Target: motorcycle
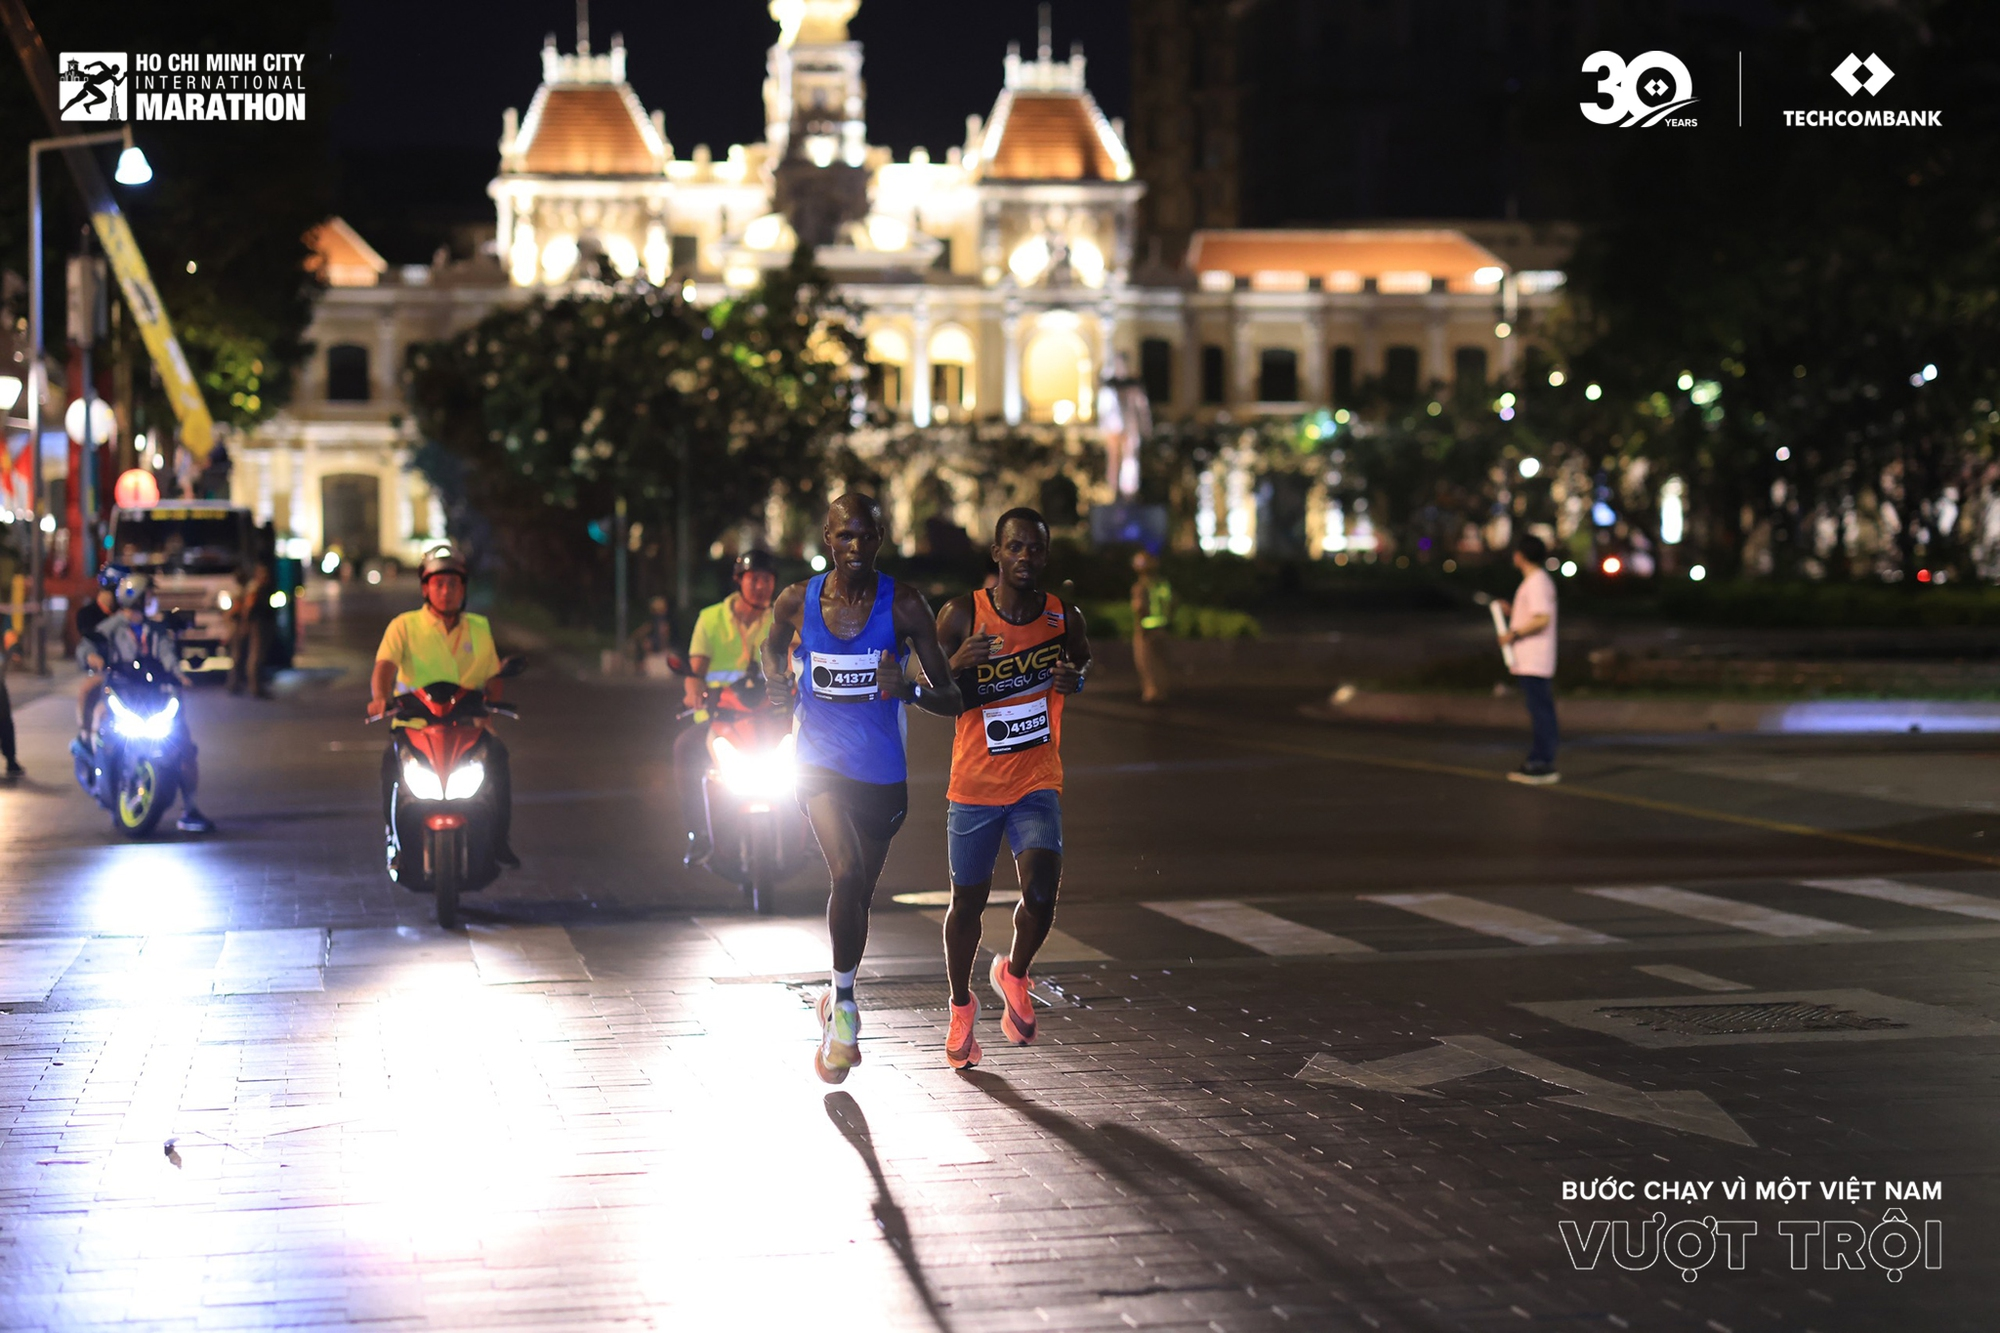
pixel 441 835
pixel 757 836
pixel 133 762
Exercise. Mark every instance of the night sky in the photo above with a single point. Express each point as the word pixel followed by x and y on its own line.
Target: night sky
pixel 425 84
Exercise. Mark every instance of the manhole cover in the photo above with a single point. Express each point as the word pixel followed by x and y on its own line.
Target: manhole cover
pixel 1733 1019
pixel 1761 1016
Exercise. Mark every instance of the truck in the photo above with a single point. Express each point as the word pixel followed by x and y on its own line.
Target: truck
pixel 193 550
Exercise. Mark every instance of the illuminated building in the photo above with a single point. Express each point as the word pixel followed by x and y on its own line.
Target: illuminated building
pixel 998 282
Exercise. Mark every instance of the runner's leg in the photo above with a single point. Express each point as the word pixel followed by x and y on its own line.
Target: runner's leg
pixel 1040 870
pixel 853 863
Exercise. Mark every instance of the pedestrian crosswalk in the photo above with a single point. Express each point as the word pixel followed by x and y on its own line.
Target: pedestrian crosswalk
pixel 1490 918
pixel 297 962
pixel 1266 932
pixel 1726 911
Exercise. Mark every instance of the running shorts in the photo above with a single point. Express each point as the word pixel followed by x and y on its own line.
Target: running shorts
pixel 877 808
pixel 973 832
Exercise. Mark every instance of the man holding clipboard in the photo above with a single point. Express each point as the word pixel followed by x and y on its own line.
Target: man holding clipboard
pixel 1527 633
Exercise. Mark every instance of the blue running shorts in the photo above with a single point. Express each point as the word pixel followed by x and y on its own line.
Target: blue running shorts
pixel 973 832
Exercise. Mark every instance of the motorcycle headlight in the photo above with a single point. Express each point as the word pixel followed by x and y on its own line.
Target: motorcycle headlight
pixel 465 781
pixel 766 774
pixel 143 726
pixel 421 782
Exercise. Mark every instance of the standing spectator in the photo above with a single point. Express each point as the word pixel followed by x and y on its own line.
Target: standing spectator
pixel 1531 630
pixel 14 769
pixel 654 638
pixel 1152 616
pixel 251 622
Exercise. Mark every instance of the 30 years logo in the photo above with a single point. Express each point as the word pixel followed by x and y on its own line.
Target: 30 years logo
pixel 1652 89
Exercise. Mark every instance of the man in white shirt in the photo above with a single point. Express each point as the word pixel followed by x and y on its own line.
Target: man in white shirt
pixel 1531 631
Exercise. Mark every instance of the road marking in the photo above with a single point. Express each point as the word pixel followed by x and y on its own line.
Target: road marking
pixel 1459 1057
pixel 510 955
pixel 1749 1018
pixel 1912 895
pixel 996 928
pixel 1725 911
pixel 1266 932
pixel 1687 976
pixel 1508 923
pixel 1232 732
pixel 30 969
pixel 271 962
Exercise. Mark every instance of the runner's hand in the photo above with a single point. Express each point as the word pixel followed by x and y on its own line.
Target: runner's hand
pixel 977 650
pixel 778 694
pixel 890 681
pixel 1064 677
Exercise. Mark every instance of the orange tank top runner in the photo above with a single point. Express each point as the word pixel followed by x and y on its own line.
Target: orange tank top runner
pixel 1011 730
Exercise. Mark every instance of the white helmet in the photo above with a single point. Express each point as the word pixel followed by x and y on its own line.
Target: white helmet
pixel 130 592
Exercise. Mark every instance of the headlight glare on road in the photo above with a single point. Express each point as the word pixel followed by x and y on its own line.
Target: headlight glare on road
pixel 421 782
pixel 465 781
pixel 143 726
pixel 766 775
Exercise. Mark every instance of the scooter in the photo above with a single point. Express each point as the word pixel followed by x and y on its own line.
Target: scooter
pixel 441 835
pixel 132 765
pixel 757 836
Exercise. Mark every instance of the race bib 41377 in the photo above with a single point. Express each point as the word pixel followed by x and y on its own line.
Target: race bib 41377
pixel 846 676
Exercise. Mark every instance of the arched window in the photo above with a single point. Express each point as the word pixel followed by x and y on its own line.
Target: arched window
pixel 347 373
pixel 1057 376
pixel 1277 375
pixel 951 371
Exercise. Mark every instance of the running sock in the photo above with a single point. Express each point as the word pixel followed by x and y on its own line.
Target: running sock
pixel 843 987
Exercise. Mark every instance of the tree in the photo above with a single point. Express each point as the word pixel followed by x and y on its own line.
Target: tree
pixel 555 410
pixel 1770 298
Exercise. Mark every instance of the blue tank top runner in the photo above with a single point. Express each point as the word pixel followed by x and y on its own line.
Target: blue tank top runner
pixel 844 726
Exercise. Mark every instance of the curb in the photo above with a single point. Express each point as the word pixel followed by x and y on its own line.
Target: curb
pixel 1777 717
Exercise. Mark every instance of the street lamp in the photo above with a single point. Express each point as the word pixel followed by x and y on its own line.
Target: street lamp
pixel 133 169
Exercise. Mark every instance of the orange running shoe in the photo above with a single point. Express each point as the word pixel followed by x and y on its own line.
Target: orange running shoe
pixel 839 1048
pixel 1017 1007
pixel 961 1048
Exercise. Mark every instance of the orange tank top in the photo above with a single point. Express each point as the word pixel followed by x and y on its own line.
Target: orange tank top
pixel 1010 733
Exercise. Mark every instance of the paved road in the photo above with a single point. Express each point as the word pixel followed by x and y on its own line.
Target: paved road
pixel 1334 1017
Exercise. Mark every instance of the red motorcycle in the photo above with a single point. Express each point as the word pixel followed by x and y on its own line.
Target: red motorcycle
pixel 441 832
pixel 758 837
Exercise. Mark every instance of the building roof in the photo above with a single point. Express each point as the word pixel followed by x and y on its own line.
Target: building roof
pixel 340 258
pixel 1046 126
pixel 585 121
pixel 1345 259
pixel 1049 137
pixel 585 131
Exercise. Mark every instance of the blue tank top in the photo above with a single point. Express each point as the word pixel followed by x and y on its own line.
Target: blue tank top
pixel 844 725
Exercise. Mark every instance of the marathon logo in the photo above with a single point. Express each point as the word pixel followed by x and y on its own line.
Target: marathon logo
pixel 844 676
pixel 215 85
pixel 1014 727
pixel 1017 673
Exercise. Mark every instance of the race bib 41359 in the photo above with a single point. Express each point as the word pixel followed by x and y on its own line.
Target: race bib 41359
pixel 1011 727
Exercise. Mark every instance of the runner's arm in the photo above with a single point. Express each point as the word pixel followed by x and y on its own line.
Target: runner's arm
pixel 786 613
pixel 915 623
pixel 1067 677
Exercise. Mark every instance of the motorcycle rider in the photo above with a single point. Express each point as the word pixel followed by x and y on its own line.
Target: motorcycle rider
pixel 728 636
pixel 128 634
pixel 852 623
pixel 442 641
